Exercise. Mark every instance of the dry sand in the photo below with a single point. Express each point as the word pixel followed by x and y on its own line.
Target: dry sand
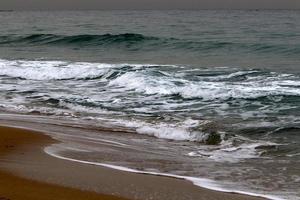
pixel 26 172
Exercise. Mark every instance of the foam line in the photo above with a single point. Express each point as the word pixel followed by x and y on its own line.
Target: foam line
pixel 201 182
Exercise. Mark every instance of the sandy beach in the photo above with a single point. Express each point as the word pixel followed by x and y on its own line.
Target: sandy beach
pixel 29 173
pixel 16 141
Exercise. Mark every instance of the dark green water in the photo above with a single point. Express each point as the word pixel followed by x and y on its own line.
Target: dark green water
pixel 255 39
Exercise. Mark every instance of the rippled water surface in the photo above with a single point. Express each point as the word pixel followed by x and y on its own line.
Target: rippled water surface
pixel 206 94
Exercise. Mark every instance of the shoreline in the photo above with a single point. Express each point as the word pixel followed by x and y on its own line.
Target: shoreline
pixel 200 182
pixel 138 185
pixel 15 187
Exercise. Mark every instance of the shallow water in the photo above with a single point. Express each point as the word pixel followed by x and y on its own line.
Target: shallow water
pixel 207 94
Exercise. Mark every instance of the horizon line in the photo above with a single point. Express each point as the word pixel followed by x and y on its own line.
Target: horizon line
pixel 181 9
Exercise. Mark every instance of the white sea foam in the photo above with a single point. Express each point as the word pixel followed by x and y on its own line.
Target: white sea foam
pixel 58 70
pixel 172 133
pixel 142 80
pixel 207 90
pixel 232 154
pixel 52 70
pixel 184 131
pixel 232 75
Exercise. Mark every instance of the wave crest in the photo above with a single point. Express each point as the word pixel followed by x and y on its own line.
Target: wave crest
pixel 36 39
pixel 136 41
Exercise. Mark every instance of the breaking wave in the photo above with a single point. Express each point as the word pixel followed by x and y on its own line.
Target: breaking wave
pixel 163 80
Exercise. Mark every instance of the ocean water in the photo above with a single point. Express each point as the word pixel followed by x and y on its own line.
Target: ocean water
pixel 213 95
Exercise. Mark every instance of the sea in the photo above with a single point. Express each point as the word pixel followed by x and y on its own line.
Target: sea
pixel 210 96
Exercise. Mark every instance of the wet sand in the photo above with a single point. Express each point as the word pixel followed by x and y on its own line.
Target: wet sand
pixel 26 172
pixel 12 187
